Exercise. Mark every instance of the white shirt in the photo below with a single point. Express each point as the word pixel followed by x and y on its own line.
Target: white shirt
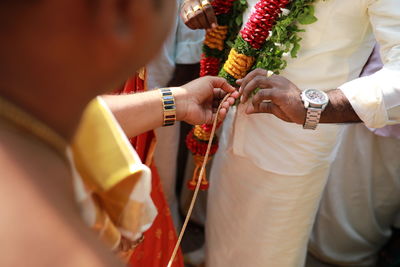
pixel 183 46
pixel 333 53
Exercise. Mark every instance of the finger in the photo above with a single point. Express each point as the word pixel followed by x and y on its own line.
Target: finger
pixel 190 15
pixel 192 23
pixel 195 20
pixel 183 12
pixel 219 94
pixel 225 105
pixel 263 107
pixel 201 19
pixel 256 82
pixel 190 19
pixel 268 107
pixel 250 76
pixel 186 12
pixel 222 114
pixel 264 95
pixel 231 101
pixel 218 82
pixel 235 95
pixel 210 15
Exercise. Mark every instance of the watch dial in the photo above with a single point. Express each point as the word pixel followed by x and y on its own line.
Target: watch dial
pixel 316 97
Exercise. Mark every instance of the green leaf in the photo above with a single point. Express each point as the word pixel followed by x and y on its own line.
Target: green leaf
pixel 307 20
pixel 307 16
pixel 239 20
pixel 295 50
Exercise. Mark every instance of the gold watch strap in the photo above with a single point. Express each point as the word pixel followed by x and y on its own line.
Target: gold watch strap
pixel 169 107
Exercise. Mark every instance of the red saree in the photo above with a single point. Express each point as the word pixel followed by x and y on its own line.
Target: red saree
pixel 160 239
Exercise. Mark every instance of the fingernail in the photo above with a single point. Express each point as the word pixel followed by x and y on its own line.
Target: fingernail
pixel 241 99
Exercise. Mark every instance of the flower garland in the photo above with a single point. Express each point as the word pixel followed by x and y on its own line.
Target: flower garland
pixel 217 43
pixel 218 40
pixel 270 33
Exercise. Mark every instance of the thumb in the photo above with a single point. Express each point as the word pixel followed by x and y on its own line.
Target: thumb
pixel 218 82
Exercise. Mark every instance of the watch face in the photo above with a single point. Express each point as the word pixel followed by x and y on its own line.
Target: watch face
pixel 316 97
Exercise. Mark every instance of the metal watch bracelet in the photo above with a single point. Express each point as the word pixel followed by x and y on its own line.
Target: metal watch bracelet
pixel 312 118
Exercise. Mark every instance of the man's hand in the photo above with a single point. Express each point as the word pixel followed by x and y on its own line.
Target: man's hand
pixel 198 15
pixel 280 97
pixel 276 95
pixel 197 101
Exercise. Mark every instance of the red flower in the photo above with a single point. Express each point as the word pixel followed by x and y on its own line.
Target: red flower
pixel 261 21
pixel 209 66
pixel 199 147
pixel 222 6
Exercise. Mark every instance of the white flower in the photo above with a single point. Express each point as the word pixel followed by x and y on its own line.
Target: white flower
pixel 269 35
pixel 270 73
pixel 285 11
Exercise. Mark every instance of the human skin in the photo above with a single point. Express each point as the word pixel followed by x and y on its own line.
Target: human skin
pixel 203 18
pixel 55 57
pixel 280 97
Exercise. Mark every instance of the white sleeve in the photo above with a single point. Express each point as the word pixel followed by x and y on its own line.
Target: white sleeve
pixel 376 98
pixel 188 44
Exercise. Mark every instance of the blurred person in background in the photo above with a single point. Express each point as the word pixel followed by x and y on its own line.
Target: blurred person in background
pixel 361 202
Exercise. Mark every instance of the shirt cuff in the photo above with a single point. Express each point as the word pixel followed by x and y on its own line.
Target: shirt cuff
pixel 366 98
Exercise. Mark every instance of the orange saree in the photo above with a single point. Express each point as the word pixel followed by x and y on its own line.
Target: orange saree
pixel 160 239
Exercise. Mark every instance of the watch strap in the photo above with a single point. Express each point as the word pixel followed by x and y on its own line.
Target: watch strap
pixel 312 118
pixel 169 107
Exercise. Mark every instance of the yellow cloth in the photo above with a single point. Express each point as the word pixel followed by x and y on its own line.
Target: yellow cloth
pixel 112 185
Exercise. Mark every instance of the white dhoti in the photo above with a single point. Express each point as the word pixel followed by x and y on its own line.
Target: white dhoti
pixel 258 217
pixel 361 201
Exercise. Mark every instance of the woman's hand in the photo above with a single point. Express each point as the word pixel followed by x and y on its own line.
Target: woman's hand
pixel 276 95
pixel 197 102
pixel 198 14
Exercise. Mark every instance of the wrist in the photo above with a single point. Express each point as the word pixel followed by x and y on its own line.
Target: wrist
pixel 339 109
pixel 315 102
pixel 180 96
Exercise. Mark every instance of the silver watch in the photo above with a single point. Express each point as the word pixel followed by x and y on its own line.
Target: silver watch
pixel 315 101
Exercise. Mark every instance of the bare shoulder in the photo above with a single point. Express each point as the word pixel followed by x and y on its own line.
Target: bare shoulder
pixel 39 221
